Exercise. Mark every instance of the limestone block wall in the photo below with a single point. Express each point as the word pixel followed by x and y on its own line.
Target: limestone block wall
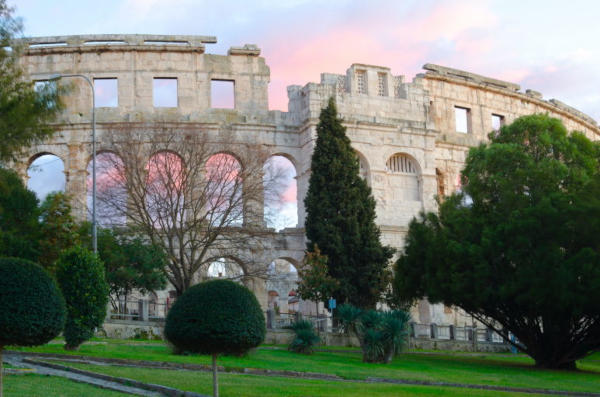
pixel 483 97
pixel 386 119
pixel 404 132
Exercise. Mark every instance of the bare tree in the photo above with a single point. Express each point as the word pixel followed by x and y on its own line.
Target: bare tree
pixel 187 194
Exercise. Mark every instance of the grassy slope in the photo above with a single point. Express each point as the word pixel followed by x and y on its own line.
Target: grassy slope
pixel 50 386
pixel 501 370
pixel 262 386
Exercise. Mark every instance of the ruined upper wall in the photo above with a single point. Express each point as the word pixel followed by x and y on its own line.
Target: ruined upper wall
pixel 483 97
pixel 365 94
pixel 135 60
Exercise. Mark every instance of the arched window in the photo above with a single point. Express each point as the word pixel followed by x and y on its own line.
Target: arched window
pixel 46 175
pixel 401 164
pixel 111 203
pixel 225 268
pixel 404 177
pixel 280 190
pixel 224 190
pixel 165 189
pixel 363 166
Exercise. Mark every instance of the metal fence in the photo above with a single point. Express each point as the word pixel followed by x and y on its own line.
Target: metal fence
pixel 452 332
pixel 283 320
pixel 139 310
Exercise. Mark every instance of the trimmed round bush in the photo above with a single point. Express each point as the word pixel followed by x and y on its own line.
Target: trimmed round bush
pixel 32 309
pixel 214 317
pixel 80 275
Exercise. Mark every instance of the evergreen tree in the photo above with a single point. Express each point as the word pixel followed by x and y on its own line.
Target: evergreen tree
pixel 57 229
pixel 19 223
pixel 518 248
pixel 340 217
pixel 24 111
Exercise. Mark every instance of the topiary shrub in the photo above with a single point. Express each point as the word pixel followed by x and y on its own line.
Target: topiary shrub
pixel 216 317
pixel 32 310
pixel 305 337
pixel 80 275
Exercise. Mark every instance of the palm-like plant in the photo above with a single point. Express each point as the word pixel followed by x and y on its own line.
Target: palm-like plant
pixel 381 334
pixel 305 338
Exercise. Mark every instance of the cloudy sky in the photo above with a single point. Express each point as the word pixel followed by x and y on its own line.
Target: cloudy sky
pixel 547 45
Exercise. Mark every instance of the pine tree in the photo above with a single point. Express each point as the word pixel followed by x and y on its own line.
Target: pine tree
pixel 341 217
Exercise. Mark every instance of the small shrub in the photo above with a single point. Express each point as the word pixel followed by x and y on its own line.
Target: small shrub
pixel 347 316
pixel 81 277
pixel 381 334
pixel 32 310
pixel 216 317
pixel 305 337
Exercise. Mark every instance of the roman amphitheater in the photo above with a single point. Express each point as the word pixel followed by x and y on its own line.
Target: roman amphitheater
pixel 411 136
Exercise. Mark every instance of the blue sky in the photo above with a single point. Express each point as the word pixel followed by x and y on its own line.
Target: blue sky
pixel 546 45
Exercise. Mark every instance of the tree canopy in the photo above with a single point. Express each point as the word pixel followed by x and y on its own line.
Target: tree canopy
pixel 19 223
pixel 130 263
pixel 57 229
pixel 25 113
pixel 215 317
pixel 80 274
pixel 340 217
pixel 193 199
pixel 518 247
pixel 32 309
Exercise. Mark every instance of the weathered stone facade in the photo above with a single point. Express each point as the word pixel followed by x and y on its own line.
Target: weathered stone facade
pixel 404 132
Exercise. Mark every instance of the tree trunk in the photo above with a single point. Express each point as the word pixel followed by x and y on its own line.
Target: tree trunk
pixel 215 379
pixel 1 370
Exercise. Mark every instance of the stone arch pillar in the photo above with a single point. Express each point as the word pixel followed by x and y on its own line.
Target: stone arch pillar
pixel 254 208
pixel 258 286
pixel 76 180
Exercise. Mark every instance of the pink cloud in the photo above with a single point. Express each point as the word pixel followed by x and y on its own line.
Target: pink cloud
pixel 290 194
pixel 394 39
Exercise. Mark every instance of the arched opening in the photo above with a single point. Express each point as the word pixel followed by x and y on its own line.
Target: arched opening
pixel 363 166
pixel 111 192
pixel 164 189
pixel 404 177
pixel 282 277
pixel 224 190
pixel 280 193
pixel 225 268
pixel 46 175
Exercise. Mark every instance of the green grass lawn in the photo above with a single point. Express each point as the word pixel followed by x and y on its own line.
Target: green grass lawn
pixel 490 369
pixel 31 385
pixel 263 386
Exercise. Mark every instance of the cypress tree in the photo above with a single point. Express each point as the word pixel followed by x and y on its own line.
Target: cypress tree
pixel 340 217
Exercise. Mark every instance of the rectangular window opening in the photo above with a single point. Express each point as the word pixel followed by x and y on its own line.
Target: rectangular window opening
pixel 497 122
pixel 166 42
pixel 222 94
pixel 47 90
pixel 48 45
pixel 104 42
pixel 106 92
pixel 164 92
pixel 462 116
pixel 361 81
pixel 382 89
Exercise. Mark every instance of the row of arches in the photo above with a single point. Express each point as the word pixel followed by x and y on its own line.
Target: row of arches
pixel 46 173
pixel 281 281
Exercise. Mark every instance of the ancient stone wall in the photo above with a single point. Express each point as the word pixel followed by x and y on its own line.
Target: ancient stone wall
pixel 405 133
